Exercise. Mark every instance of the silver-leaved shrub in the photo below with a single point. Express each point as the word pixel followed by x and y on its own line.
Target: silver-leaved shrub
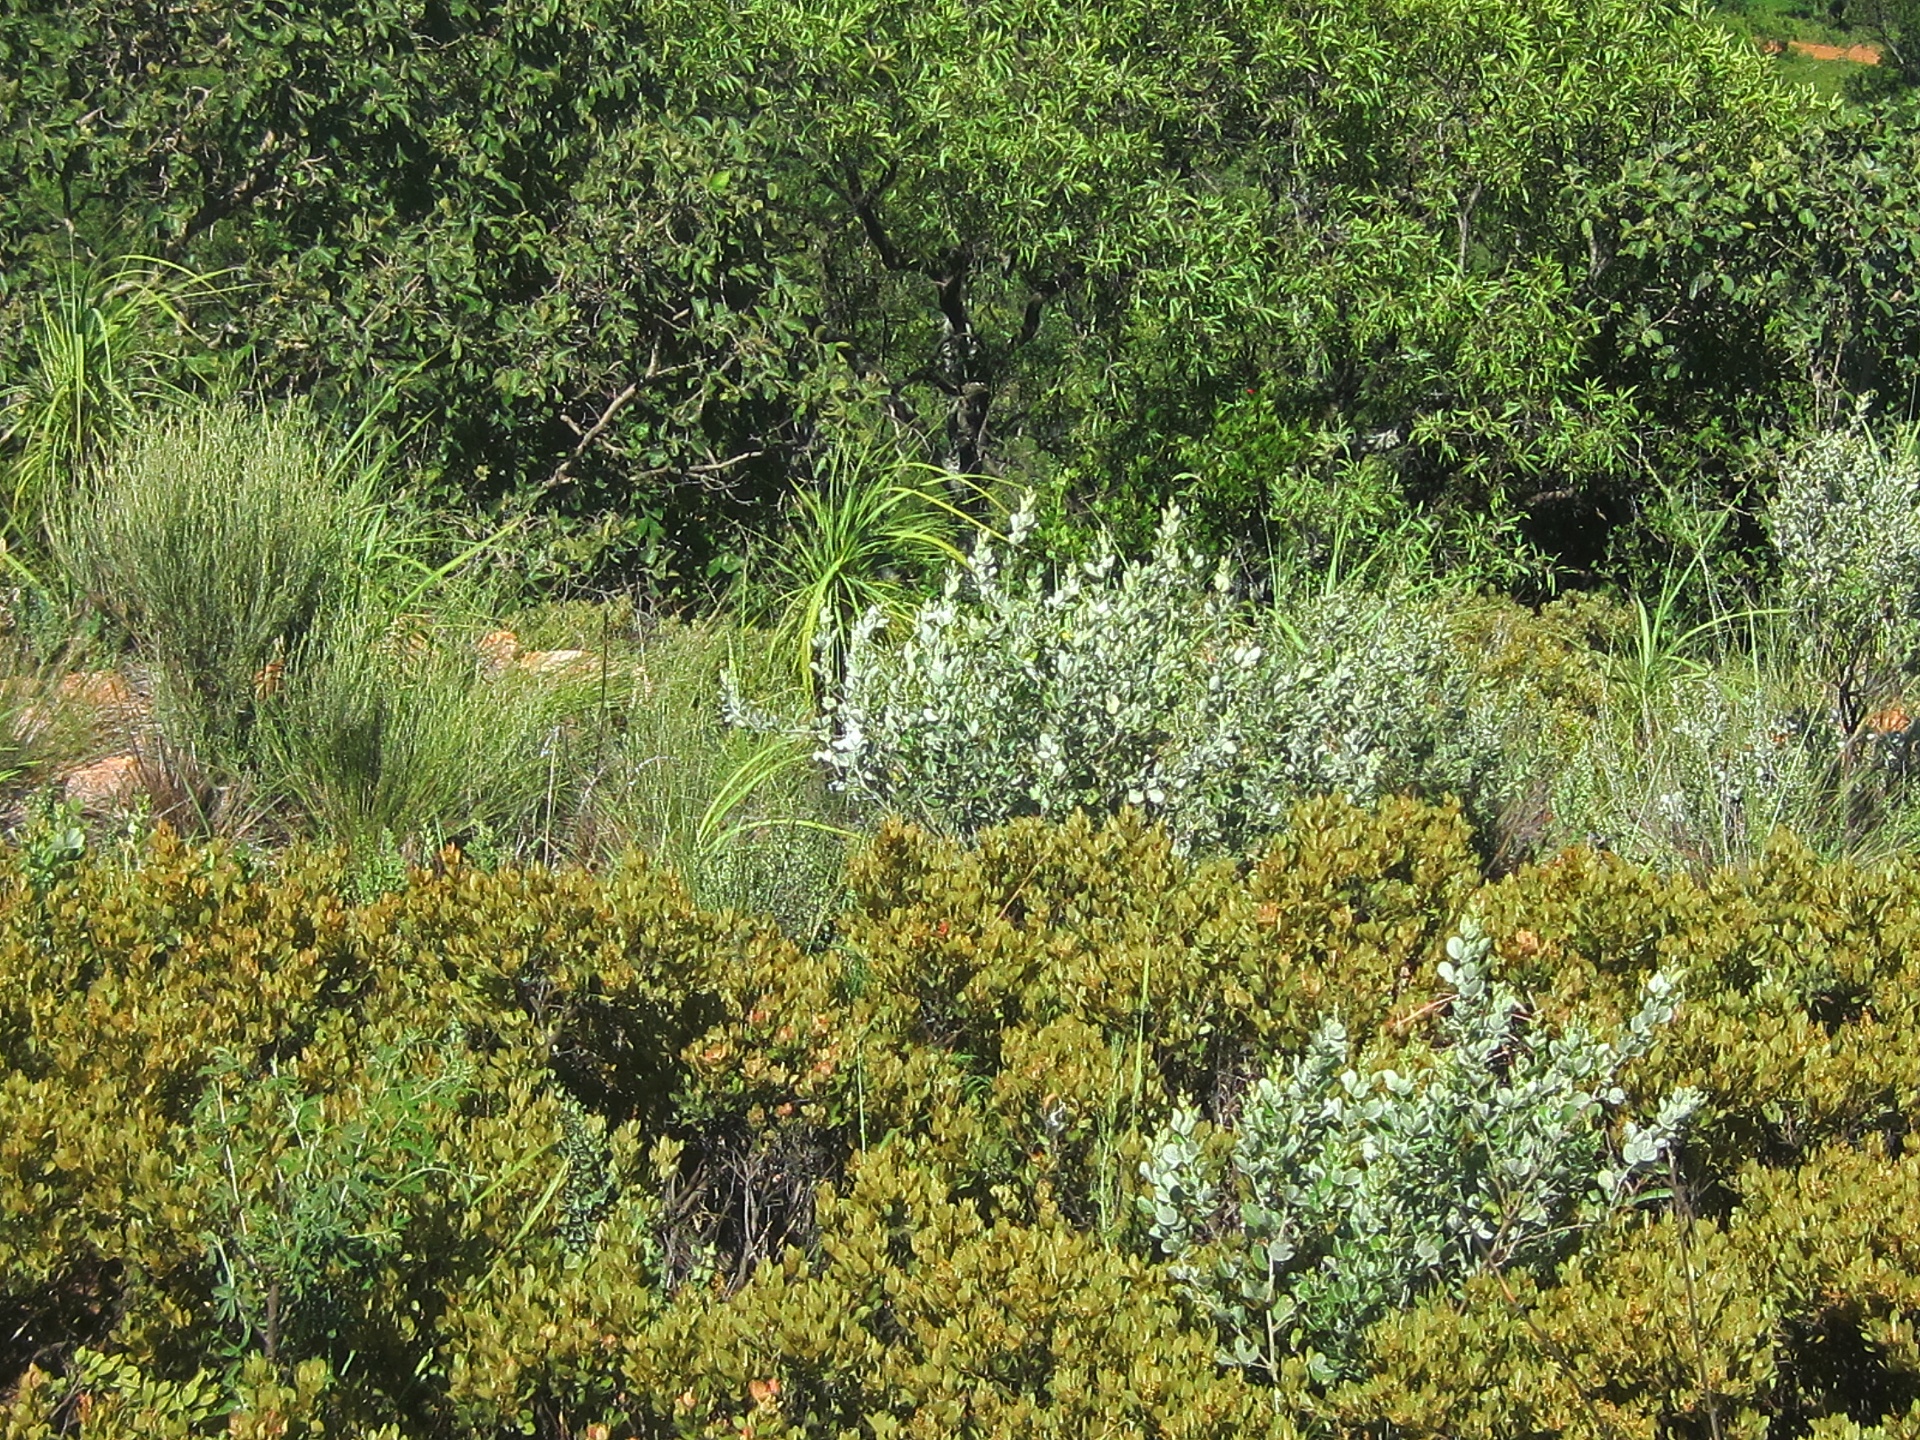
pixel 1845 521
pixel 1024 692
pixel 1343 1194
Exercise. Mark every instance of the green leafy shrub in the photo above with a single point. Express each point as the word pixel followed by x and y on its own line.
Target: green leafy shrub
pixel 639 300
pixel 1329 509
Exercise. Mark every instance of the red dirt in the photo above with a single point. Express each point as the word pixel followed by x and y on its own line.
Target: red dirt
pixel 1858 54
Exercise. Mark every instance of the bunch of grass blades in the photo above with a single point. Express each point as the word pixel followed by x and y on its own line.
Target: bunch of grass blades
pixel 110 344
pixel 213 539
pixel 386 732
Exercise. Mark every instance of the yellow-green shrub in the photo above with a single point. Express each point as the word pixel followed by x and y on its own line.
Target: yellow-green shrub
pixel 249 1121
pixel 546 1153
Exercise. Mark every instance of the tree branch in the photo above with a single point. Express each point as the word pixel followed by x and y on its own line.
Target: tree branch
pixel 861 199
pixel 591 434
pixel 1466 222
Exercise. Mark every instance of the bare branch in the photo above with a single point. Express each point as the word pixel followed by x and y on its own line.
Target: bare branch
pixel 614 407
pixel 594 431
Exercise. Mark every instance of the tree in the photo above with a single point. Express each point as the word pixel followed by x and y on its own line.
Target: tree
pixel 1079 230
pixel 636 259
pixel 1896 25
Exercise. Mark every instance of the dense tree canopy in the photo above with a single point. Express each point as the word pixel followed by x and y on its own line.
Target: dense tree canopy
pixel 642 260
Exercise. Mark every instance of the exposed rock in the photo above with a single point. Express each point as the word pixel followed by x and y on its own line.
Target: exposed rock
pixel 101 689
pixel 497 650
pixel 101 703
pixel 549 662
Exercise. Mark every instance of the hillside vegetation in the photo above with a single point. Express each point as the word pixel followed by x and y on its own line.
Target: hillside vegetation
pixel 1006 719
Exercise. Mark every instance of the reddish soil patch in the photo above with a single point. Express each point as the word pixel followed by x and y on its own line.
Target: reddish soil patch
pixel 1858 54
pixel 109 784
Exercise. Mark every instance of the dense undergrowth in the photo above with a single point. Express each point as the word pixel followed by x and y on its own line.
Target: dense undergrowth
pixel 557 1153
pixel 544 1028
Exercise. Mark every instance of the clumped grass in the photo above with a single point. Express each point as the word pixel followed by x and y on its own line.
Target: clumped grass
pixel 386 731
pixel 1696 758
pixel 214 539
pixel 319 649
pixel 864 535
pixel 104 353
pixel 743 815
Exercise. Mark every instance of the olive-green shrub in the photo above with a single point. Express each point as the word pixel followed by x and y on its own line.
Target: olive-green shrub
pixel 563 1154
pixel 247 1123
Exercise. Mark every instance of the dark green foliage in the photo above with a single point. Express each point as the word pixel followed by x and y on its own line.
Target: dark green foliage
pixel 1751 292
pixel 634 264
pixel 481 213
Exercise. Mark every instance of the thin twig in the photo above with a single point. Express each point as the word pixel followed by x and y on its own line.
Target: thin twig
pixel 1684 1209
pixel 1553 1347
pixel 592 433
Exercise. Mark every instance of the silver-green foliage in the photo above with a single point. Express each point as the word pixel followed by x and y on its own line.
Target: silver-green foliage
pixel 1148 684
pixel 1845 521
pixel 1344 1194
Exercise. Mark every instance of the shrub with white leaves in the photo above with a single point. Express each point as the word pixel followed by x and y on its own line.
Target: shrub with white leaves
pixel 1344 1194
pixel 1845 521
pixel 1146 683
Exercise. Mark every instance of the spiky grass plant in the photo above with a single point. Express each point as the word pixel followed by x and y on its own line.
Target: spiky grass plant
pixel 213 538
pixel 107 347
pixel 865 534
pixel 386 732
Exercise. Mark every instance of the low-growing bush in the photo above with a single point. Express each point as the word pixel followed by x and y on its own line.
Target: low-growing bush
pixel 247 1122
pixel 1350 1192
pixel 564 1154
pixel 1148 684
pixel 1845 523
